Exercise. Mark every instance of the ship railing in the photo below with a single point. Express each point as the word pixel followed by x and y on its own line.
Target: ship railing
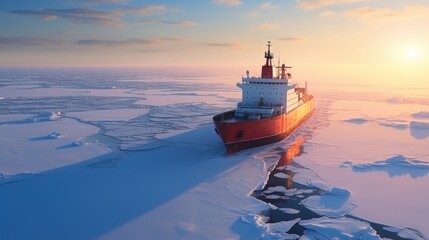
pixel 259 105
pixel 224 116
pixel 308 98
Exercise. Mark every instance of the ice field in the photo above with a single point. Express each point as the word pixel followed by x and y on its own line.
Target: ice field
pixel 129 153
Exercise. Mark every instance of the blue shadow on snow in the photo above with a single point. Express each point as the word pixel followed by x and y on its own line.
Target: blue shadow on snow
pixel 92 198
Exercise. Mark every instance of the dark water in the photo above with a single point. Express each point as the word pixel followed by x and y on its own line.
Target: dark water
pixel 294 201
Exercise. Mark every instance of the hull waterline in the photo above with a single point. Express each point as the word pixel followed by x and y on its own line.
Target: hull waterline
pixel 241 135
pixel 232 148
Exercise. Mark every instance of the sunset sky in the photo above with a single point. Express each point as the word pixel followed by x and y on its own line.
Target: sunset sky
pixel 356 36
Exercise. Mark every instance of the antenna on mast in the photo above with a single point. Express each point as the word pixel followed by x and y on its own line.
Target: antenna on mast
pixel 268 55
pixel 267 69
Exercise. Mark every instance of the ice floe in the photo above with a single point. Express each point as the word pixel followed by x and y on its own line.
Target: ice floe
pixel 405 233
pixel 337 228
pixel 273 196
pixel 257 221
pixel 419 130
pixel 121 114
pixel 396 124
pixel 79 142
pixel 420 115
pixel 56 135
pixel 51 136
pixel 280 189
pixel 43 145
pixel 282 227
pixel 334 203
pixel 358 121
pixel 309 178
pixel 10 118
pixel 290 192
pixel 289 210
pixel 281 175
pixel 304 191
pixel 420 125
pixel 346 164
pixel 270 230
pixel 394 166
pixel 53 116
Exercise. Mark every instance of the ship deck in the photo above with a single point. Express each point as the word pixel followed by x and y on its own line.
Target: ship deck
pixel 238 119
pixel 229 116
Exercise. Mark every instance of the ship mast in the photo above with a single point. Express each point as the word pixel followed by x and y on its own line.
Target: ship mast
pixel 267 69
pixel 283 74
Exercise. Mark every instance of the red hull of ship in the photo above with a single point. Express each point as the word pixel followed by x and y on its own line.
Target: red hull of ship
pixel 242 134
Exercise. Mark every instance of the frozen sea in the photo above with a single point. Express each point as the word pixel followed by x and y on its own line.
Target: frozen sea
pixel 131 153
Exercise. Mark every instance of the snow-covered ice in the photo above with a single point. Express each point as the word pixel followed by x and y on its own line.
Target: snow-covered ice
pixel 419 130
pixel 358 121
pixel 420 115
pixel 339 228
pixel 281 175
pixel 381 165
pixel 122 114
pixel 334 203
pixel 36 146
pixel 394 166
pixel 289 210
pixel 131 154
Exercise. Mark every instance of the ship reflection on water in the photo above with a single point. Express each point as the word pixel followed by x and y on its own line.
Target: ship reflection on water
pixel 286 195
pixel 286 159
pixel 295 150
pixel 295 192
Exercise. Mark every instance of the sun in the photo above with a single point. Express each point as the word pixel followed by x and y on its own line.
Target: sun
pixel 412 54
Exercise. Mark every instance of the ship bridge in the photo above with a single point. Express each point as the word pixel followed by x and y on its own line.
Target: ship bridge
pixel 267 96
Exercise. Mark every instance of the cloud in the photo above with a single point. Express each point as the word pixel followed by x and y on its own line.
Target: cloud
pixel 93 16
pixel 181 23
pixel 267 5
pixel 25 42
pixel 223 45
pixel 48 17
pixel 314 4
pixel 226 45
pixel 132 42
pixel 293 39
pixel 253 14
pixel 267 26
pixel 327 13
pixel 152 50
pixel 100 2
pixel 168 22
pixel 78 15
pixel 228 2
pixel 378 15
pixel 144 11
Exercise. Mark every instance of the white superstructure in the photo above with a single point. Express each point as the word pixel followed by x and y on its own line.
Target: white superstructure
pixel 268 96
